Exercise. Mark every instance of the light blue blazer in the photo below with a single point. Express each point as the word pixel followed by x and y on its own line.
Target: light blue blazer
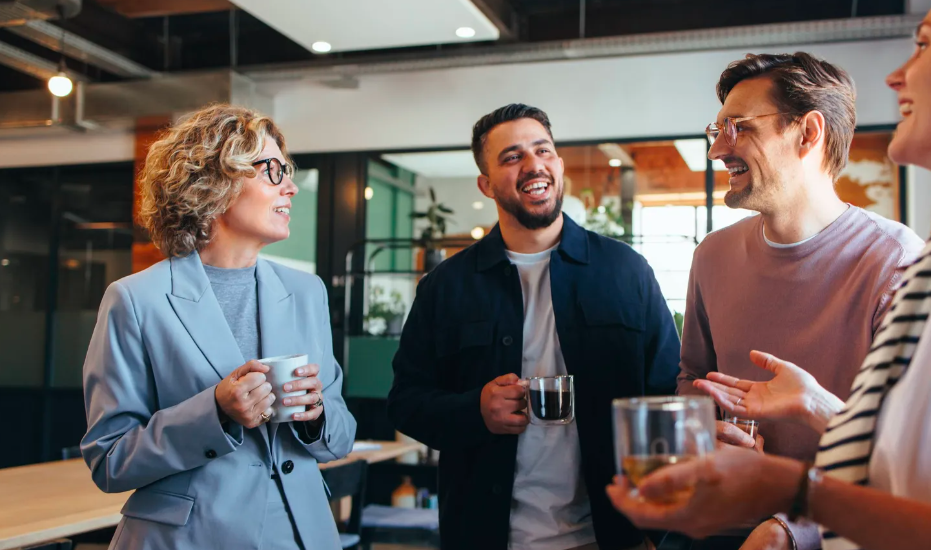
pixel 160 347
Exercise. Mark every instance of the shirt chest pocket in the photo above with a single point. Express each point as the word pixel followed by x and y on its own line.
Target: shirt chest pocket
pixel 612 328
pixel 612 336
pixel 599 311
pixel 465 353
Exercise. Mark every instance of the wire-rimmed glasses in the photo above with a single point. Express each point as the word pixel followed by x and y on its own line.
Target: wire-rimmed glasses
pixel 730 128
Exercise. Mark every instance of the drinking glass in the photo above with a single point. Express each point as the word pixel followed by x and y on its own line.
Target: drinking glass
pixel 652 432
pixel 751 427
pixel 551 400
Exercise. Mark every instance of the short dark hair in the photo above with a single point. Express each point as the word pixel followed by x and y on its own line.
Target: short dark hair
pixel 804 83
pixel 514 111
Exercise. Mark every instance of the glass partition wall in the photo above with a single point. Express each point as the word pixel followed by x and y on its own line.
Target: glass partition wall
pixel 65 234
pixel 660 196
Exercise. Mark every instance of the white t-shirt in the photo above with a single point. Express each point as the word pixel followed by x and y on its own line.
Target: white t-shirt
pixel 550 509
pixel 782 245
pixel 900 463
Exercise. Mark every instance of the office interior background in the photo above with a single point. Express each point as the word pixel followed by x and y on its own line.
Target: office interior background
pixel 377 100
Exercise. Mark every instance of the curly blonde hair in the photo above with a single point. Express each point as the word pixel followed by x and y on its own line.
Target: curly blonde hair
pixel 195 171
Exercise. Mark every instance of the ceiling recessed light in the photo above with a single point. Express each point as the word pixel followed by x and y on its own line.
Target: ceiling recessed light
pixel 478 205
pixel 321 47
pixel 465 32
pixel 369 193
pixel 615 162
pixel 478 232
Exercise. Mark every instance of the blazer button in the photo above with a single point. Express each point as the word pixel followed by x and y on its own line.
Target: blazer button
pixel 211 454
pixel 287 467
pixel 496 489
pixel 507 340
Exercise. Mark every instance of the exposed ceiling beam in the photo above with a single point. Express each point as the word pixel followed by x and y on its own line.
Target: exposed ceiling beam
pixel 159 8
pixel 112 104
pixel 19 12
pixel 48 35
pixel 749 37
pixel 500 13
pixel 32 64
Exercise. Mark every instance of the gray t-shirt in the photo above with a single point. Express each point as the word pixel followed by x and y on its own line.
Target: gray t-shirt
pixel 550 509
pixel 236 292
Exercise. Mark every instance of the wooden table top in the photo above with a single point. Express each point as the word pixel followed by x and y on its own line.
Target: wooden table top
pixel 53 500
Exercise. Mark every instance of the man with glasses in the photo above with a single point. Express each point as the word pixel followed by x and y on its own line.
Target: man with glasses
pixel 809 279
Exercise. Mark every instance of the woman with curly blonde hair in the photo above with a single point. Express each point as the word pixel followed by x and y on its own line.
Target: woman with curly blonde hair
pixel 178 408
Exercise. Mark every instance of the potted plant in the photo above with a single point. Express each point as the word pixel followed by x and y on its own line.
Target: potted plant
pixel 385 315
pixel 604 221
pixel 436 216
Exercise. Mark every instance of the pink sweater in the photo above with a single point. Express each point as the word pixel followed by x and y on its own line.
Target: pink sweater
pixel 816 304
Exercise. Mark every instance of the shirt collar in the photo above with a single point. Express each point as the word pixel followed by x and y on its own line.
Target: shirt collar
pixel 573 245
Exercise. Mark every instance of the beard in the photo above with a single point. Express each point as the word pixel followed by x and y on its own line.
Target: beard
pixel 740 199
pixel 753 193
pixel 533 220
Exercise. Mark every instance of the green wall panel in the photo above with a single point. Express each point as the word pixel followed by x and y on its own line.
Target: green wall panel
pixel 388 214
pixel 301 246
pixel 369 373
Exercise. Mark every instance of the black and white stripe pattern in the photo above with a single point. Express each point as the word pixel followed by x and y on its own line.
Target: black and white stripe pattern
pixel 846 446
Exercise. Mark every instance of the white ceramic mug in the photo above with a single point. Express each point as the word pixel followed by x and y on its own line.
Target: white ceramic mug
pixel 280 371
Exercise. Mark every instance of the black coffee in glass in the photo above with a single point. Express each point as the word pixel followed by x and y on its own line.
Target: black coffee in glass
pixel 551 400
pixel 551 405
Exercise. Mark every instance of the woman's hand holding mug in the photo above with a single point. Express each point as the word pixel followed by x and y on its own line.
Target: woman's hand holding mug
pixel 245 397
pixel 313 399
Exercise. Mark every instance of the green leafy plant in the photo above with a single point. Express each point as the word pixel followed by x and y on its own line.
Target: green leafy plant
pixel 383 311
pixel 679 319
pixel 436 215
pixel 605 221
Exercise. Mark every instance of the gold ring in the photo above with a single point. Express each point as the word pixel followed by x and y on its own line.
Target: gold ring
pixel 265 417
pixel 739 399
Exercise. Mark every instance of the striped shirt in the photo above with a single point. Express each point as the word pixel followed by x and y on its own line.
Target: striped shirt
pixel 846 448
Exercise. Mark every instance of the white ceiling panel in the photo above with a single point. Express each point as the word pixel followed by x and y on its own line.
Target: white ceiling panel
pixel 445 164
pixel 372 24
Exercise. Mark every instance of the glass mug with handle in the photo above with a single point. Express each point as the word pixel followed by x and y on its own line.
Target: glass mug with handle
pixel 550 400
pixel 652 432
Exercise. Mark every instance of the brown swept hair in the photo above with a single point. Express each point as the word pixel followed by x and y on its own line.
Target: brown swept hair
pixel 195 171
pixel 803 83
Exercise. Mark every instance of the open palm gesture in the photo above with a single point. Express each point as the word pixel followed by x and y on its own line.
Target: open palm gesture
pixel 792 394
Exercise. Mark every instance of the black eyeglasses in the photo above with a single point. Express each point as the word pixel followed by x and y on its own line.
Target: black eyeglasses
pixel 730 128
pixel 275 169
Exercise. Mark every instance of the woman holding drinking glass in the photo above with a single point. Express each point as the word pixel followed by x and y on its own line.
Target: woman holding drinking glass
pixel 870 486
pixel 178 408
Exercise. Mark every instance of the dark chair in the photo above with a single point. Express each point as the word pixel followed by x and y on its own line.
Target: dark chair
pixel 67 453
pixel 348 480
pixel 60 544
pixel 407 526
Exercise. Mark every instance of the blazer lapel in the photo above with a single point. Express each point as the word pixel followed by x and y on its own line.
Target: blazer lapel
pixel 277 318
pixel 197 307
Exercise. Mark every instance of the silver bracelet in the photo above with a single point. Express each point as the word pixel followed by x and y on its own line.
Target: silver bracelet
pixel 793 545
